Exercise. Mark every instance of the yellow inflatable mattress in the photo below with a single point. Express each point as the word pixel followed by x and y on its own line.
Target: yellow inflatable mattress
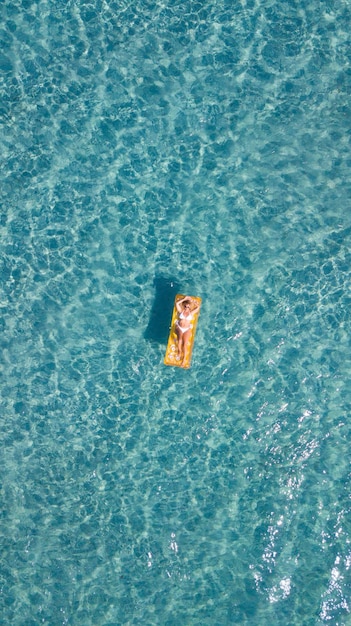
pixel 182 331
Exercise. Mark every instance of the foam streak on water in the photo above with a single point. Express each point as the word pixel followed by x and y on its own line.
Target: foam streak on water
pixel 149 148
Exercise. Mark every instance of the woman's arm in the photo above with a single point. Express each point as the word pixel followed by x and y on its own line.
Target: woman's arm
pixel 179 308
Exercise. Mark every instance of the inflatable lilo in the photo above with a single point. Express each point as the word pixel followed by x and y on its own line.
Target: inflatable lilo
pixel 182 332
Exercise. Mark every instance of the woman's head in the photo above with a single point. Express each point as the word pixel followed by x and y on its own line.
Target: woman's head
pixel 187 305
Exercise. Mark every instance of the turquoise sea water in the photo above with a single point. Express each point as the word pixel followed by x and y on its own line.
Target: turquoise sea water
pixel 149 148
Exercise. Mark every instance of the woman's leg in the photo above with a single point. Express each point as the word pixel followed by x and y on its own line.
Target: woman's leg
pixel 180 341
pixel 186 341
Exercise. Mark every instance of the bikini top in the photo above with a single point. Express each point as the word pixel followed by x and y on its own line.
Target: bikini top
pixel 186 317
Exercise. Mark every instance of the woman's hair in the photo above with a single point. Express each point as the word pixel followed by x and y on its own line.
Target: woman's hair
pixel 187 302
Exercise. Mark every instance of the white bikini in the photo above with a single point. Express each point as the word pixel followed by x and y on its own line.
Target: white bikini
pixel 184 317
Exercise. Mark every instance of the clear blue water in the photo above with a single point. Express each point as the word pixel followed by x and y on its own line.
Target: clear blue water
pixel 149 148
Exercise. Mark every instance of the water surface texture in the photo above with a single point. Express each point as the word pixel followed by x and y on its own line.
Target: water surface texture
pixel 149 148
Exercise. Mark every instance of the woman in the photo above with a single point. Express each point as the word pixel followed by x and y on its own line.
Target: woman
pixel 184 325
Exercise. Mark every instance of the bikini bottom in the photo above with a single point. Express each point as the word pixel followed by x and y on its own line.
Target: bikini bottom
pixel 183 330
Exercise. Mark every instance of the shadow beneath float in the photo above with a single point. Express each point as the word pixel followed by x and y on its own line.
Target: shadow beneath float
pixel 161 313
